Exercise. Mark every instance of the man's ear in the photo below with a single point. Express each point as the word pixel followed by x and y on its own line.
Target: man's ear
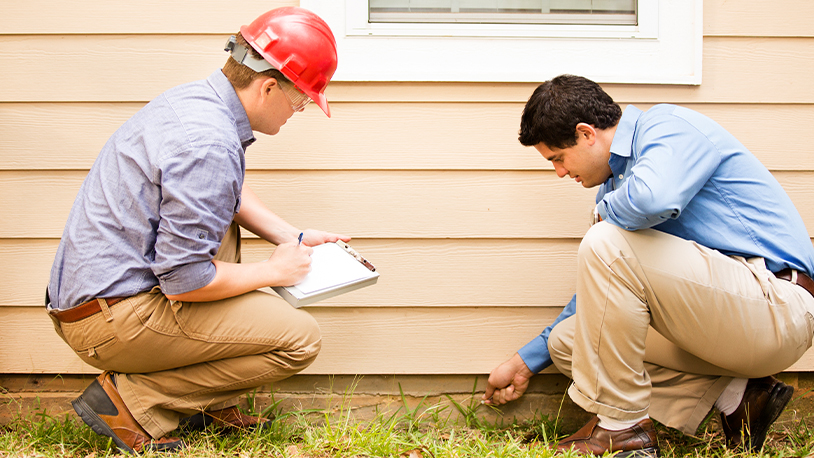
pixel 267 85
pixel 586 131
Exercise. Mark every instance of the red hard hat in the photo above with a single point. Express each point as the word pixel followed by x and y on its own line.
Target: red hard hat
pixel 300 45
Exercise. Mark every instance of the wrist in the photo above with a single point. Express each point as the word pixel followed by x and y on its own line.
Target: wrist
pixel 520 366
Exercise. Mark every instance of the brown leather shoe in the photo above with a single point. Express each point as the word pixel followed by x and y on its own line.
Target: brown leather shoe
pixel 763 401
pixel 101 408
pixel 230 417
pixel 638 441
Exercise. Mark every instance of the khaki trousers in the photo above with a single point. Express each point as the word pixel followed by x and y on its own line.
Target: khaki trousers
pixel 174 359
pixel 662 324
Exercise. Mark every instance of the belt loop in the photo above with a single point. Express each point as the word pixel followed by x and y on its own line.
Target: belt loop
pixel 793 277
pixel 105 309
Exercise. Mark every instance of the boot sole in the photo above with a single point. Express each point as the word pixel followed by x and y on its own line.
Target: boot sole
pixel 778 399
pixel 96 423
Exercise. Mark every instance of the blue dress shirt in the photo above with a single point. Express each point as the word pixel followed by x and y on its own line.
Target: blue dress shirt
pixel 677 171
pixel 158 200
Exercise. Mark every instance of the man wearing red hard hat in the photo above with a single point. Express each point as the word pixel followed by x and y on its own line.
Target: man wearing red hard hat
pixel 147 283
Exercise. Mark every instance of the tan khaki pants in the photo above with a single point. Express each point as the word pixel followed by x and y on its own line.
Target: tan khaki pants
pixel 176 358
pixel 662 324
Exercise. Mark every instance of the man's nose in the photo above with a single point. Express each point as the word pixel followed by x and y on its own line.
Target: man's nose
pixel 561 171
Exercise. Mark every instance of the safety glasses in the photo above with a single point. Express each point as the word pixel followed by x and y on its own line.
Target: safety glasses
pixel 296 98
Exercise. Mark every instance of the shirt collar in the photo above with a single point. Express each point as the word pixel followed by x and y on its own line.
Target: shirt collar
pixel 622 144
pixel 227 93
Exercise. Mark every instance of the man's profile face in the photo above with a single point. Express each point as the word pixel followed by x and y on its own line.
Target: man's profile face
pixel 586 162
pixel 275 111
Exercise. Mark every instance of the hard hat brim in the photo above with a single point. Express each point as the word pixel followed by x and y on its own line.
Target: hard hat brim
pixel 322 101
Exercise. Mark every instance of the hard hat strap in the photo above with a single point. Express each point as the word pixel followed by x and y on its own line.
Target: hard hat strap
pixel 242 55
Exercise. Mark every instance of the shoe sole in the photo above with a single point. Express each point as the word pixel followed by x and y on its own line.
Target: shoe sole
pixel 100 427
pixel 778 399
pixel 96 423
pixel 649 452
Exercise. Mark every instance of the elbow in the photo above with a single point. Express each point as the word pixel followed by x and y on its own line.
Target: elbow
pixel 654 211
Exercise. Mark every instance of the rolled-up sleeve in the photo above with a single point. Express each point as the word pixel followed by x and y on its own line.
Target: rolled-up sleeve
pixel 200 193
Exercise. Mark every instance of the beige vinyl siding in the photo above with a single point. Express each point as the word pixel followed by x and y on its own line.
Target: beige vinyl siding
pixel 474 235
pixel 138 67
pixel 384 136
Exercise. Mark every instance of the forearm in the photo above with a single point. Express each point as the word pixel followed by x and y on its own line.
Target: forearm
pixel 254 216
pixel 230 280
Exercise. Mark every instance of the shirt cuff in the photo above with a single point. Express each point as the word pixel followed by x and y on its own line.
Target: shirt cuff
pixel 187 278
pixel 535 354
pixel 602 210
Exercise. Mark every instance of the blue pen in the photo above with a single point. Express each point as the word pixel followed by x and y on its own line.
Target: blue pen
pixel 299 240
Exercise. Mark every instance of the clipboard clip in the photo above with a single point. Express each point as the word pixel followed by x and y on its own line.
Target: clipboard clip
pixel 356 255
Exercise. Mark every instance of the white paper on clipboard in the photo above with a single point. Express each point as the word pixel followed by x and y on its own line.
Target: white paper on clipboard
pixel 334 271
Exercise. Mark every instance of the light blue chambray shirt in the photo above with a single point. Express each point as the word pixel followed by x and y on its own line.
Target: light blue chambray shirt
pixel 158 200
pixel 677 171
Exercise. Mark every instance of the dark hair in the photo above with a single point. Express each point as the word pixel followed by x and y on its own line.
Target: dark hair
pixel 242 76
pixel 556 107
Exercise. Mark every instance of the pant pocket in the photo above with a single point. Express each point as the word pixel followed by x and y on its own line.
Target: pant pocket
pixel 93 339
pixel 155 312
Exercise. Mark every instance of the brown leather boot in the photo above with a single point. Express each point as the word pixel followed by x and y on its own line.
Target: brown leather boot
pixel 638 441
pixel 763 401
pixel 230 417
pixel 101 408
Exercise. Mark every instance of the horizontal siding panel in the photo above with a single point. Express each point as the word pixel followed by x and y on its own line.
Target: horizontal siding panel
pixel 357 136
pixel 354 341
pixel 414 273
pixel 758 18
pixel 133 16
pixel 721 17
pixel 433 204
pixel 384 136
pixel 124 68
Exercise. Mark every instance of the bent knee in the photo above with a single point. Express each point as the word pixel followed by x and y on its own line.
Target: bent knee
pixel 559 346
pixel 598 238
pixel 305 347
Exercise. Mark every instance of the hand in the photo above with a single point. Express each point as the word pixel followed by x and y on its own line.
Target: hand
pixel 290 262
pixel 313 237
pixel 507 382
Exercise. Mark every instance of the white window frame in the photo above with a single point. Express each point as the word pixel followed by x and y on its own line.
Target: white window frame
pixel 664 48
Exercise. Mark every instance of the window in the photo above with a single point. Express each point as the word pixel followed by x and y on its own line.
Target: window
pixel 504 11
pixel 609 41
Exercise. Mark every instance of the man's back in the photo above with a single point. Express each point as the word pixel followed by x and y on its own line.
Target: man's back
pixel 687 176
pixel 160 195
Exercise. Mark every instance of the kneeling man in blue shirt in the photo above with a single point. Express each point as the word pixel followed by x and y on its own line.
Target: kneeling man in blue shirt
pixel 693 290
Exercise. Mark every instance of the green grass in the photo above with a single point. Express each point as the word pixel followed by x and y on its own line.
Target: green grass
pixel 448 429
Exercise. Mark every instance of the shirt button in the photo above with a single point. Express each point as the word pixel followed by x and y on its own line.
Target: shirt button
pixel 621 176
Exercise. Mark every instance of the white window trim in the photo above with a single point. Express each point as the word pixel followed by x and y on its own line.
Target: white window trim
pixel 665 48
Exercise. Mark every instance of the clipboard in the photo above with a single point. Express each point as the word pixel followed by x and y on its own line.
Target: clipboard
pixel 336 268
